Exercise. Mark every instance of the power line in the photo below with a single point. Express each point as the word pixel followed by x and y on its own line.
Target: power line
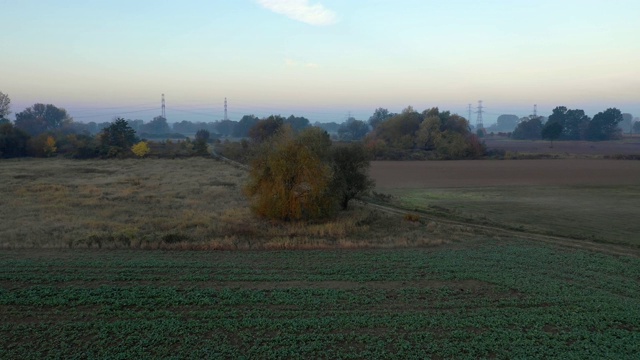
pixel 112 114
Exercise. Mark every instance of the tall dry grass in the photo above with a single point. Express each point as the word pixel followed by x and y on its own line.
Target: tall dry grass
pixel 193 203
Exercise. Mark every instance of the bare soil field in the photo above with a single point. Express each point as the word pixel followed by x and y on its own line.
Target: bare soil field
pixel 472 173
pixel 627 146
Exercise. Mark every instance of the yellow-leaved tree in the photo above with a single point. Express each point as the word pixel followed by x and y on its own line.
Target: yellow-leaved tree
pixel 290 180
pixel 49 146
pixel 141 149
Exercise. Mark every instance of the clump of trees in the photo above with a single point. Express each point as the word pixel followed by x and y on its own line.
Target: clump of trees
pixel 428 134
pixel 529 128
pixel 13 141
pixel 571 124
pixel 303 177
pixel 353 130
pixel 505 123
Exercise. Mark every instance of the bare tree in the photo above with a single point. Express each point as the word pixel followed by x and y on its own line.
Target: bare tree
pixel 5 105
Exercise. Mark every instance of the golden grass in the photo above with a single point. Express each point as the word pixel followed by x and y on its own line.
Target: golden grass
pixel 193 203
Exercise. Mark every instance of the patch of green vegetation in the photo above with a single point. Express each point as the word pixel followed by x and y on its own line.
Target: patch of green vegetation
pixel 488 299
pixel 598 213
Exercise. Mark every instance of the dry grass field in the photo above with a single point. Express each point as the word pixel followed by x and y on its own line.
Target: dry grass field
pixel 193 203
pixel 578 198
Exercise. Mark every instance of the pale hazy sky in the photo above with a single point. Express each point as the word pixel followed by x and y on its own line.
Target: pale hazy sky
pixel 319 58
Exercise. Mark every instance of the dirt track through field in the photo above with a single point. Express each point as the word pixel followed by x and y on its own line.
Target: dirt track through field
pixel 611 249
pixel 469 173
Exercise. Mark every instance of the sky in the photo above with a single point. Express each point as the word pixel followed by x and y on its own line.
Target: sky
pixel 322 59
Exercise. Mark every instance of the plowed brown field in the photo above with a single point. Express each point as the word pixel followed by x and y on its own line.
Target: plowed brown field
pixel 628 146
pixel 470 173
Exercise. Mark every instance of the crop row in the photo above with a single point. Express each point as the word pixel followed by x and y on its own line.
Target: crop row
pixel 504 300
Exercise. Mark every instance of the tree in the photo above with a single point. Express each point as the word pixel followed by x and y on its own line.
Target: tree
pixel 50 147
pixel 400 130
pixel 297 123
pixel 158 125
pixel 626 123
pixel 551 131
pixel 330 127
pixel 136 125
pixel 13 141
pixel 529 128
pixel 574 122
pixel 506 122
pixel 226 127
pixel 636 126
pixel 289 181
pixel 203 135
pixel 200 145
pixel 117 138
pixel 266 128
pixel 604 125
pixel 379 116
pixel 441 133
pixel 302 177
pixel 428 133
pixel 5 105
pixel 244 125
pixel 41 118
pixel 353 129
pixel 350 169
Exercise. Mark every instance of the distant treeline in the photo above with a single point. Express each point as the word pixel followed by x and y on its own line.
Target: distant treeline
pixel 46 130
pixel 430 134
pixel 574 124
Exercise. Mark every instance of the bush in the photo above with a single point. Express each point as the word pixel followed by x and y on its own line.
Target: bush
pixel 141 149
pixel 43 145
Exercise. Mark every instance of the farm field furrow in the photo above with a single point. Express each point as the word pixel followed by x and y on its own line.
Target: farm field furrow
pixel 502 299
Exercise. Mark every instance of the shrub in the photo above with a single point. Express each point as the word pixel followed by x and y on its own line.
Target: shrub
pixel 50 146
pixel 141 149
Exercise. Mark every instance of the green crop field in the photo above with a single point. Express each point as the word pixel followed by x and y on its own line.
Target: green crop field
pixel 482 299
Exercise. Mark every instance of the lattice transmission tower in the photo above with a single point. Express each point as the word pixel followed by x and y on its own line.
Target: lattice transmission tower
pixel 479 111
pixel 164 114
pixel 225 109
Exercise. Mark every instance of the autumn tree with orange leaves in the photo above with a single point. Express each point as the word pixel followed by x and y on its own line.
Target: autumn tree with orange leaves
pixel 294 177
